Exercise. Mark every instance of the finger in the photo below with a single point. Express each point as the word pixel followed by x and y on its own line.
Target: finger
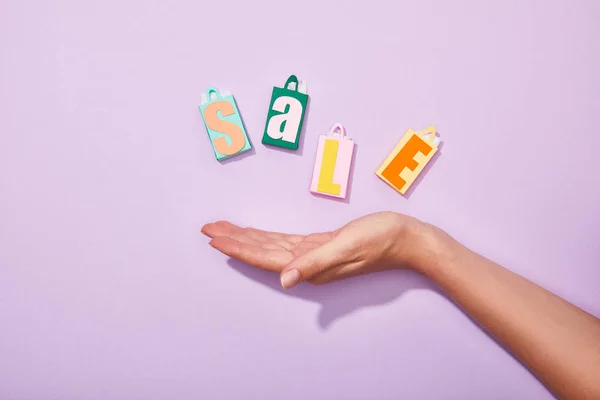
pixel 341 272
pixel 225 228
pixel 332 254
pixel 281 240
pixel 220 228
pixel 271 260
pixel 272 235
pixel 284 239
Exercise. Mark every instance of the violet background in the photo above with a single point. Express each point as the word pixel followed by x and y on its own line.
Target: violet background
pixel 109 291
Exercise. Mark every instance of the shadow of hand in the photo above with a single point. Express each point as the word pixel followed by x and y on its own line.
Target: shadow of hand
pixel 343 297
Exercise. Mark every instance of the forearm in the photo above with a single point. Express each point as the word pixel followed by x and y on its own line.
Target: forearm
pixel 557 341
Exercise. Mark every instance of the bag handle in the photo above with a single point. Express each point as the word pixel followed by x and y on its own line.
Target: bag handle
pixel 431 131
pixel 210 91
pixel 290 80
pixel 340 128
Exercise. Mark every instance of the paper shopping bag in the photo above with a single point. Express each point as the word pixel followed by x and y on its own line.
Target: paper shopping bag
pixel 286 114
pixel 409 157
pixel 223 124
pixel 332 166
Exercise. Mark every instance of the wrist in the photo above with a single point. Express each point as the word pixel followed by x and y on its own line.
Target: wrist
pixel 423 248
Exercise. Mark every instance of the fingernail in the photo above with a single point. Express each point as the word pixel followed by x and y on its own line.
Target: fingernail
pixel 290 278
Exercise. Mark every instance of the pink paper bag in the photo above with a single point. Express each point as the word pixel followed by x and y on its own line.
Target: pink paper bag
pixel 332 166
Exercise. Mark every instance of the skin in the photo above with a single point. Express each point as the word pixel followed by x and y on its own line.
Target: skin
pixel 557 341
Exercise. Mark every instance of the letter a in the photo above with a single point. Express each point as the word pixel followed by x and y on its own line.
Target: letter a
pixel 285 126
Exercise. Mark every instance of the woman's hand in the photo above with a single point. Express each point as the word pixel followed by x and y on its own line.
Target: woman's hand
pixel 375 242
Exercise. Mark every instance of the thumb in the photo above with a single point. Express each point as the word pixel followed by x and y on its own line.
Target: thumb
pixel 313 263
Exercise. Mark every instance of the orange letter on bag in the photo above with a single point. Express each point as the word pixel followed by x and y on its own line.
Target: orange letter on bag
pixel 405 159
pixel 238 141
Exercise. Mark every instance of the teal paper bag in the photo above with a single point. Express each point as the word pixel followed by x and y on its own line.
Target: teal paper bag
pixel 223 124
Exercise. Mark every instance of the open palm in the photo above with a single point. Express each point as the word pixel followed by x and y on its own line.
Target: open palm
pixel 267 250
pixel 371 243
